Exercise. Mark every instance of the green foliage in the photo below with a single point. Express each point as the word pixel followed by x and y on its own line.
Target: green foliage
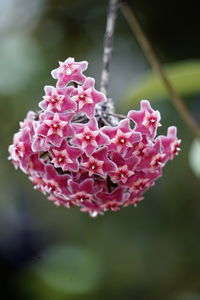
pixel 184 76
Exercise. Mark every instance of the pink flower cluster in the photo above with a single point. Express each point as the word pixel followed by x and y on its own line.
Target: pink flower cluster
pixel 74 159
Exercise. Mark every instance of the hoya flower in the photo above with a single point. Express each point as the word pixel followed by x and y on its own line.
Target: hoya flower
pixel 69 70
pixel 98 163
pixel 57 100
pixel 122 136
pixel 141 181
pixel 78 153
pixel 146 119
pixel 89 137
pixel 20 150
pixel 82 192
pixel 40 143
pixel 28 122
pixel 111 201
pixel 65 157
pixel 153 157
pixel 55 127
pixel 86 97
pixel 125 168
pixel 171 143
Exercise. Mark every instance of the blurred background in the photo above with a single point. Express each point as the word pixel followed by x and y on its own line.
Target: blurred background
pixel 146 253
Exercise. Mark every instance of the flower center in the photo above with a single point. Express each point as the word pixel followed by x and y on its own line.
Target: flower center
pixel 88 137
pixel 82 97
pixel 122 140
pixel 61 159
pixel 152 120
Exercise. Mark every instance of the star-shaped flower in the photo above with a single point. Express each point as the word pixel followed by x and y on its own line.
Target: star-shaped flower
pixel 111 200
pixel 146 119
pixel 69 70
pixel 66 157
pixel 125 168
pixel 86 97
pixel 58 100
pixel 54 183
pixel 20 150
pixel 40 143
pixel 89 137
pixel 153 157
pixel 122 174
pixel 170 143
pixel 82 192
pixel 157 161
pixel 98 163
pixel 139 150
pixel 94 166
pixel 122 136
pixel 29 121
pixel 140 182
pixel 55 127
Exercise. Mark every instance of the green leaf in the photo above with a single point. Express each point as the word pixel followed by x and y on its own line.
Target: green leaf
pixel 194 157
pixel 185 77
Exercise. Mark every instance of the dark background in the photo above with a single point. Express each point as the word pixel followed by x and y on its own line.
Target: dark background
pixel 146 253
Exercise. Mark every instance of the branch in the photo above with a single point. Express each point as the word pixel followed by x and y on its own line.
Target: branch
pixel 156 65
pixel 104 109
pixel 108 45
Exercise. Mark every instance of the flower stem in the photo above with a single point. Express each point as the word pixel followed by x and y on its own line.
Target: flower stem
pixel 157 66
pixel 108 44
pixel 105 108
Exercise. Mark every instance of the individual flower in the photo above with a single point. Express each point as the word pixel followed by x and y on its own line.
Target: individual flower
pixel 52 182
pixel 55 127
pixel 141 181
pixel 28 122
pixel 170 143
pixel 58 100
pixel 146 119
pixel 98 163
pixel 122 136
pixel 20 150
pixel 153 157
pixel 125 168
pixel 69 70
pixel 111 200
pixel 86 97
pixel 83 192
pixel 40 143
pixel 89 137
pixel 65 157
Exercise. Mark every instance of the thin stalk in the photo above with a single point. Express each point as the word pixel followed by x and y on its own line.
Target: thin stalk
pixel 108 45
pixel 157 66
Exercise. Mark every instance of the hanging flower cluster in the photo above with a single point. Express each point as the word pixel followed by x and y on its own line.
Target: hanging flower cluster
pixel 70 155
